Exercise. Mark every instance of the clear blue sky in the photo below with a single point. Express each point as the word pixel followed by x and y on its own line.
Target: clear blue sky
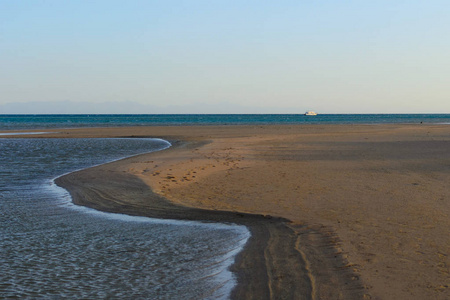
pixel 226 56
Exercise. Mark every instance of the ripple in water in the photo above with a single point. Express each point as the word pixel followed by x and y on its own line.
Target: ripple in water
pixel 50 249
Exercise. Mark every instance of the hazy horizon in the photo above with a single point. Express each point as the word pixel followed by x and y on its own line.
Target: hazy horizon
pixel 42 108
pixel 224 57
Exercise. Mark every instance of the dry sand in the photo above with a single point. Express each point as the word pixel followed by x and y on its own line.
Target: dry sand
pixel 358 211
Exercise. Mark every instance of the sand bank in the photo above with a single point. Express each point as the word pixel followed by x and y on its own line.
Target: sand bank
pixel 335 211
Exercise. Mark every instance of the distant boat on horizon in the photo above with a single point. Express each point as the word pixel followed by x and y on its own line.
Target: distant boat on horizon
pixel 310 113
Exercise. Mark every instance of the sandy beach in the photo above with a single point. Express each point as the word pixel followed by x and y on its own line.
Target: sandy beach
pixel 335 211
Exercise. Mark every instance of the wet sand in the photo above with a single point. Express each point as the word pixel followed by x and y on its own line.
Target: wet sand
pixel 335 211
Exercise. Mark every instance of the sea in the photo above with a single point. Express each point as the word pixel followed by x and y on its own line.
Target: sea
pixel 51 248
pixel 19 122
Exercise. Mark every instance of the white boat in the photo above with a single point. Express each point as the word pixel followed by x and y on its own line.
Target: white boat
pixel 310 113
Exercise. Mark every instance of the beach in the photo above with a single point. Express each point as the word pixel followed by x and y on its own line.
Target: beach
pixel 335 211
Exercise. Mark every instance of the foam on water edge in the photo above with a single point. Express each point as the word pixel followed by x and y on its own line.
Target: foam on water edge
pixel 23 133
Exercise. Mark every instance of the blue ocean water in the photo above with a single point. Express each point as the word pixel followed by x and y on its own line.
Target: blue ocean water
pixel 50 248
pixel 11 122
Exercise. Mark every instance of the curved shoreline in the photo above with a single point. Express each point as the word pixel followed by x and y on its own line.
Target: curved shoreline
pixel 272 264
pixel 60 182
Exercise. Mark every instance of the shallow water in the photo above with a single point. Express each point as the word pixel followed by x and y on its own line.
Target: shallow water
pixel 52 248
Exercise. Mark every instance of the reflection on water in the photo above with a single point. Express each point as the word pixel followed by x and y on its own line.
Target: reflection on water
pixel 49 249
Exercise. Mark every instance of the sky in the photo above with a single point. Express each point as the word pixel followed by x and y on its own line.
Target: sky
pixel 224 56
